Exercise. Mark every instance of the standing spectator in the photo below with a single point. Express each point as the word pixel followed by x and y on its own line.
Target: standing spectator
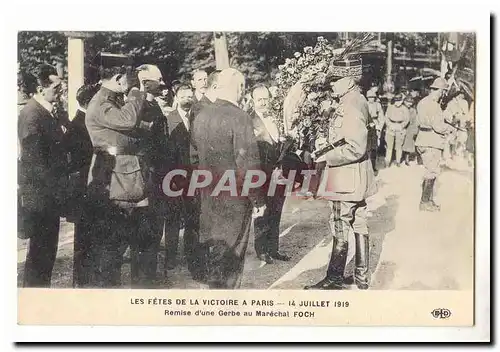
pixel 199 84
pixel 268 142
pixel 411 131
pixel 377 119
pixel 80 149
pixel 469 144
pixel 43 173
pixel 431 140
pixel 182 209
pixel 224 137
pixel 397 121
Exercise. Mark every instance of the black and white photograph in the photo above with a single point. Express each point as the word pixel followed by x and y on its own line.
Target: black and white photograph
pixel 246 160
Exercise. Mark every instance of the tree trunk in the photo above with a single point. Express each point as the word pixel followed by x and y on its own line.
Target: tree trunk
pixel 221 53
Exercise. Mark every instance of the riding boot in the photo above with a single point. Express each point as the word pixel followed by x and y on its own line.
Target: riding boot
pixel 407 159
pixel 425 203
pixel 335 273
pixel 361 258
pixel 431 193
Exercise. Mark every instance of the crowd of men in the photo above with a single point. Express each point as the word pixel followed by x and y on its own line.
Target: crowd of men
pixel 106 172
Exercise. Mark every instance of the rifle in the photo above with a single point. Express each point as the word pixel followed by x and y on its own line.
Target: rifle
pixel 454 126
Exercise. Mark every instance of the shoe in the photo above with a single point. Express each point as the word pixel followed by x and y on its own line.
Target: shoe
pixel 429 206
pixel 326 284
pixel 280 256
pixel 171 264
pixel 349 280
pixel 361 259
pixel 264 257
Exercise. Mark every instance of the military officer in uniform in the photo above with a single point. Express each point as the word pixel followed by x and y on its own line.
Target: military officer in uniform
pixel 431 140
pixel 348 179
pixel 118 180
pixel 397 120
pixel 375 127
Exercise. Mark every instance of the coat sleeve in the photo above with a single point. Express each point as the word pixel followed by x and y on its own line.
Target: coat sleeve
pixel 246 154
pixel 407 118
pixel 355 133
pixel 33 149
pixel 439 125
pixel 381 116
pixel 125 118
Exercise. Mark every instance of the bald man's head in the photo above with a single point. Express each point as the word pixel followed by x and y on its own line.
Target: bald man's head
pixel 231 85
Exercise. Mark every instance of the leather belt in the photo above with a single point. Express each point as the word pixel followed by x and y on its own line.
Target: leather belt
pixel 425 128
pixel 395 121
pixel 112 150
pixel 363 158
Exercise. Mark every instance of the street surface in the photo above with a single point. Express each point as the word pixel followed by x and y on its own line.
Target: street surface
pixel 409 249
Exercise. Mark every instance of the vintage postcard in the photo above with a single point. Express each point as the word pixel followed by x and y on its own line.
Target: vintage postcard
pixel 186 178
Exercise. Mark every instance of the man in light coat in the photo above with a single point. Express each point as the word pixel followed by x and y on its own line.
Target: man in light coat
pixel 431 140
pixel 348 179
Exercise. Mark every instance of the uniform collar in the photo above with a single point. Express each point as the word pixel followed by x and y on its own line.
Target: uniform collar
pixel 108 92
pixel 44 103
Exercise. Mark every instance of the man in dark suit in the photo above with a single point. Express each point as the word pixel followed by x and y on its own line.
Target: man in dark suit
pixel 223 135
pixel 81 150
pixel 268 141
pixel 210 96
pixel 43 176
pixel 184 208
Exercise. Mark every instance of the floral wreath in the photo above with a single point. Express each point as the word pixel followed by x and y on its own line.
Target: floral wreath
pixel 312 70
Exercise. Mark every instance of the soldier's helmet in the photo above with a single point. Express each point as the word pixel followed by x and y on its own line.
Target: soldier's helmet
pixel 439 83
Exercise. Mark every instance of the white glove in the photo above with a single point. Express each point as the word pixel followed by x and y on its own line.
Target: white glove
pixel 258 212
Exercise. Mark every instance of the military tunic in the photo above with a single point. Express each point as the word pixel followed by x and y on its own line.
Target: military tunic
pixel 396 122
pixel 431 136
pixel 349 179
pixel 119 186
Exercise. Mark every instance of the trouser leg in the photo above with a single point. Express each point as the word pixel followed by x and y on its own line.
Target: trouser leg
pixel 145 242
pixel 262 228
pixel 114 240
pixel 399 140
pixel 42 249
pixel 276 203
pixel 191 230
pixel 82 262
pixel 389 139
pixel 172 227
pixel 431 158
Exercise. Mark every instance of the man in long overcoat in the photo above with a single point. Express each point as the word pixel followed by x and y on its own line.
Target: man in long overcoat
pixel 224 137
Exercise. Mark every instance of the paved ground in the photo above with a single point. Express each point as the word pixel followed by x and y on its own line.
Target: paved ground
pixel 408 249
